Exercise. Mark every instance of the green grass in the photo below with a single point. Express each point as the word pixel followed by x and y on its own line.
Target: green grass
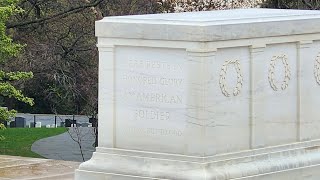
pixel 18 141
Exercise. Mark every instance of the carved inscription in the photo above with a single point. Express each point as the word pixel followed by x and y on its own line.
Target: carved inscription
pixel 149 80
pixel 159 98
pixel 146 64
pixel 317 69
pixel 150 97
pixel 287 74
pixel 156 131
pixel 152 85
pixel 151 114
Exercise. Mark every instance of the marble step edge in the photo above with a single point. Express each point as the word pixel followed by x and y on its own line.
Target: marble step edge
pixel 176 169
pixel 300 173
pixel 299 147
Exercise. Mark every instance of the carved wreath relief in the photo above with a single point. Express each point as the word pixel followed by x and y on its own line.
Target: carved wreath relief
pixel 223 73
pixel 287 74
pixel 317 69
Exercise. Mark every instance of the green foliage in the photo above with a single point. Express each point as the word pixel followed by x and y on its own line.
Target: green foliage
pixel 13 76
pixel 9 49
pixel 2 127
pixel 6 115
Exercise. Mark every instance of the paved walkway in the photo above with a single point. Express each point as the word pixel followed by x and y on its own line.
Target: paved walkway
pixel 62 147
pixel 22 168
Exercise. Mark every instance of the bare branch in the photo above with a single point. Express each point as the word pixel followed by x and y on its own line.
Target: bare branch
pixel 307 4
pixel 59 15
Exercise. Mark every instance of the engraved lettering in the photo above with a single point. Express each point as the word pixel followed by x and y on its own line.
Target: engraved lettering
pixel 149 80
pixel 147 114
pixel 155 131
pixel 158 97
pixel 170 82
pixel 147 64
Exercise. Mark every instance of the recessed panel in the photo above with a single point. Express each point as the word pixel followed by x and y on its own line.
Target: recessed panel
pixel 150 99
pixel 310 88
pixel 229 101
pixel 276 95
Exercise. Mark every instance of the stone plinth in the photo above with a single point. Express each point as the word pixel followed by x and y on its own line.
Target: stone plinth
pixel 208 95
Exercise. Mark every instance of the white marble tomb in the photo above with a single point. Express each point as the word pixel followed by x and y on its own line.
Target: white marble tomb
pixel 217 95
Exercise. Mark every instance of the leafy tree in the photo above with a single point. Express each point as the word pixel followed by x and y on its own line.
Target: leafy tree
pixel 9 49
pixel 61 52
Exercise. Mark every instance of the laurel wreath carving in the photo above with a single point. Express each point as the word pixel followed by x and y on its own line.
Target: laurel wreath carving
pixel 287 73
pixel 317 69
pixel 223 73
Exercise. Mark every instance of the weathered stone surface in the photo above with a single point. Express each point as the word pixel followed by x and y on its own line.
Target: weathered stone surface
pixel 14 168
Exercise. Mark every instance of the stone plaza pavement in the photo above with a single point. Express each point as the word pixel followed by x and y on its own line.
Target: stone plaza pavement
pixel 22 168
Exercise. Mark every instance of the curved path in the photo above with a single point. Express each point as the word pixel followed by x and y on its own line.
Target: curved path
pixel 63 147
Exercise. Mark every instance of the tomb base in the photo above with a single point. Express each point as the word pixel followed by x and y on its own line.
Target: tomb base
pixel 299 161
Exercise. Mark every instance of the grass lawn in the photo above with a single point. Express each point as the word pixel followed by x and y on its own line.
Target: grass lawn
pixel 18 141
